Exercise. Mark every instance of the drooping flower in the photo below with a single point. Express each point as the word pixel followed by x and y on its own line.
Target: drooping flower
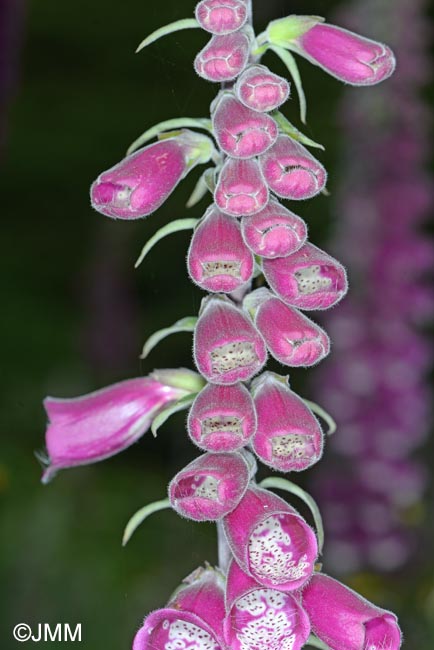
pixel 270 541
pixel 221 16
pixel 210 487
pixel 344 620
pixel 194 616
pixel 260 617
pixel 291 171
pixel 96 426
pixel 222 418
pixel 218 259
pixel 260 89
pixel 227 347
pixel 274 231
pixel 308 279
pixel 241 189
pixel 223 57
pixel 288 436
pixel 240 131
pixel 141 182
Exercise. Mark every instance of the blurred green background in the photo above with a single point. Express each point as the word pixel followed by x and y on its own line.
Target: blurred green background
pixel 75 313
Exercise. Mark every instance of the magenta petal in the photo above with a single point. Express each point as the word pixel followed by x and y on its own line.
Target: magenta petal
pixel 241 189
pixel 221 16
pixel 260 89
pixel 223 58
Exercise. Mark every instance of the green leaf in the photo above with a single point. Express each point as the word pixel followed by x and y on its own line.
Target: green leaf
pixel 168 229
pixel 167 125
pixel 289 486
pixel 316 408
pixel 287 127
pixel 178 25
pixel 140 516
pixel 164 415
pixel 314 642
pixel 291 64
pixel 186 324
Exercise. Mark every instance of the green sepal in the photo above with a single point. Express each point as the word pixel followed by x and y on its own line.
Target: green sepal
pixel 164 415
pixel 206 183
pixel 183 378
pixel 289 129
pixel 314 642
pixel 178 25
pixel 173 226
pixel 296 490
pixel 140 516
pixel 292 66
pixel 186 324
pixel 322 413
pixel 169 125
pixel 285 31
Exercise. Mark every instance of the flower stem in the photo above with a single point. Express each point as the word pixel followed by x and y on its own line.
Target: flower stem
pixel 224 552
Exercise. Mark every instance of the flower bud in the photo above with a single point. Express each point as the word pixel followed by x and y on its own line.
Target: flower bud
pixel 288 436
pixel 209 487
pixel 270 541
pixel 259 617
pixel 221 16
pixel 291 337
pixel 218 259
pixel 260 89
pixel 96 426
pixel 222 418
pixel 241 189
pixel 140 183
pixel 274 231
pixel 193 617
pixel 308 279
pixel 347 56
pixel 223 57
pixel 241 132
pixel 343 619
pixel 291 171
pixel 227 347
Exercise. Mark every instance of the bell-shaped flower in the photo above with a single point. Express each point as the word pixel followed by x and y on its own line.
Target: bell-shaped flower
pixel 291 337
pixel 192 619
pixel 96 426
pixel 240 131
pixel 260 89
pixel 260 617
pixel 274 231
pixel 344 620
pixel 227 347
pixel 210 487
pixel 241 189
pixel 221 16
pixel 222 418
pixel 288 436
pixel 308 279
pixel 349 57
pixel 270 541
pixel 218 259
pixel 223 57
pixel 141 182
pixel 291 171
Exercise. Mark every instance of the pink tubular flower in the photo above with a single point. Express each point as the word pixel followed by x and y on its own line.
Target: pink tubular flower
pixel 241 189
pixel 222 418
pixel 221 16
pixel 209 487
pixel 192 619
pixel 240 131
pixel 291 337
pixel 260 89
pixel 90 428
pixel 224 57
pixel 345 621
pixel 308 279
pixel 288 436
pixel 227 347
pixel 347 56
pixel 274 231
pixel 260 617
pixel 140 183
pixel 218 259
pixel 270 541
pixel 291 171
